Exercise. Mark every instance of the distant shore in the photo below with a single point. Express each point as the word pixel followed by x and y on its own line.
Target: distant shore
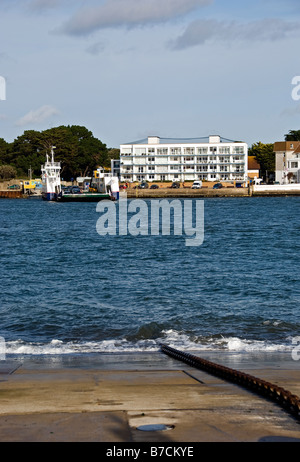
pixel 186 192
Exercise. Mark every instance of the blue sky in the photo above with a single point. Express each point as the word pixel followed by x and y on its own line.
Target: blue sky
pixel 127 69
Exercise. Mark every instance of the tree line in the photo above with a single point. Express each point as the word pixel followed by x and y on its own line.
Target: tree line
pixel 76 148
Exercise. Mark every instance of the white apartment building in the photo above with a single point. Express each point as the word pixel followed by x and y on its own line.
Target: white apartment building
pixel 163 159
pixel 287 160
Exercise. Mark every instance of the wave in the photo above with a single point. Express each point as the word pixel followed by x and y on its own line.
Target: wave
pixel 170 337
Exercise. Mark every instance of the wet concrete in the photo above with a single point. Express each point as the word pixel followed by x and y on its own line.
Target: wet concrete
pixel 110 398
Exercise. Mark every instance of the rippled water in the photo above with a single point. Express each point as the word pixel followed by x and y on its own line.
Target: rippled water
pixel 65 289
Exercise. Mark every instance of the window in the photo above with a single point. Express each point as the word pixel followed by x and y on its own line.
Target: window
pixel 141 169
pixel 237 159
pixel 224 160
pixel 140 151
pixel 126 152
pixel 294 164
pixel 238 149
pixel 189 151
pixel 162 151
pixel 239 169
pixel 151 167
pixel 224 150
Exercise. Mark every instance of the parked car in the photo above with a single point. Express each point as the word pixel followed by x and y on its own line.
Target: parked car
pixel 66 189
pixel 175 185
pixel 217 186
pixel 154 186
pixel 197 185
pixel 14 186
pixel 143 186
pixel 75 190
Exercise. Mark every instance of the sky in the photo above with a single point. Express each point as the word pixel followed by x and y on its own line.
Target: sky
pixel 128 69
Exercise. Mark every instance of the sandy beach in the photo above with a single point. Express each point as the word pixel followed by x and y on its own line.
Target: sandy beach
pixel 146 397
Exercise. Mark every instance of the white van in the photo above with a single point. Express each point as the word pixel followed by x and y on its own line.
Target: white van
pixel 197 184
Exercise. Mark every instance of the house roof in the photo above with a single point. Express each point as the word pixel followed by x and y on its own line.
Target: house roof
pixel 253 164
pixel 297 150
pixel 282 146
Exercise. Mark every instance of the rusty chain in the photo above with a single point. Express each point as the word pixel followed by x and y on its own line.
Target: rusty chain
pixel 284 398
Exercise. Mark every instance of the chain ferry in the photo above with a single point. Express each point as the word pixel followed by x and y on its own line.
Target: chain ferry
pixel 102 185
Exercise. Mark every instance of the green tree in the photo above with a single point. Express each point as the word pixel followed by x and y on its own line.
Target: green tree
pixel 293 135
pixel 76 148
pixel 113 153
pixel 4 149
pixel 27 151
pixel 265 156
pixel 7 172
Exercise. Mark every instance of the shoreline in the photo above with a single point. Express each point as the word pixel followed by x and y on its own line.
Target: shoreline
pixel 179 194
pixel 206 193
pixel 107 397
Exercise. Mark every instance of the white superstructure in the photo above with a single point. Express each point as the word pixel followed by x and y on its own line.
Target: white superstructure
pixel 51 178
pixel 162 159
pixel 105 182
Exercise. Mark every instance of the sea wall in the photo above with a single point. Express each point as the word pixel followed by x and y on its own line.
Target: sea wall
pixel 276 190
pixel 11 194
pixel 187 192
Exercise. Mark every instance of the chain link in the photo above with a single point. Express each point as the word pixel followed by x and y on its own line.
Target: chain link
pixel 284 398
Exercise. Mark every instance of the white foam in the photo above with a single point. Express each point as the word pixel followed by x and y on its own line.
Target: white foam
pixel 171 337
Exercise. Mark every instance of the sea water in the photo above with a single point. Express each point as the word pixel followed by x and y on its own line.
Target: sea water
pixel 67 290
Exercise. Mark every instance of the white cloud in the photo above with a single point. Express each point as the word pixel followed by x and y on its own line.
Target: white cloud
pixel 129 13
pixel 37 116
pixel 201 31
